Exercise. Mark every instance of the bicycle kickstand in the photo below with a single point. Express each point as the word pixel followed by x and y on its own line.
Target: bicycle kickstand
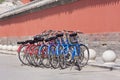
pixel 71 66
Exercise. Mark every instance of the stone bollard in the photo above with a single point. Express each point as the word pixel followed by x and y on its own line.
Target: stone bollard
pixel 109 57
pixel 92 55
pixel 9 48
pixel 0 47
pixel 4 47
pixel 14 48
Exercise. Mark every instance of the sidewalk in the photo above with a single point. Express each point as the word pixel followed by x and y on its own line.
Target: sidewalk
pixel 98 64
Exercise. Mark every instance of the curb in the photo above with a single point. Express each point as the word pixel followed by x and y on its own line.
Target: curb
pixel 111 67
pixel 8 52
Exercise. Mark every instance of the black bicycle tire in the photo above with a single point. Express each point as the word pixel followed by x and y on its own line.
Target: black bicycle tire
pixel 35 57
pixel 54 58
pixel 83 55
pixel 19 56
pixel 42 59
pixel 62 59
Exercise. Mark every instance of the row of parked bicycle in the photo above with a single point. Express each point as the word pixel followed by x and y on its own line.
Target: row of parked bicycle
pixel 56 49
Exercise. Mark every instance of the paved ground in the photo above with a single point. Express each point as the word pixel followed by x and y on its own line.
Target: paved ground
pixel 11 69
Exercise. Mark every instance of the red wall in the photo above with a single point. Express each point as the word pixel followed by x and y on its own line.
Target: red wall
pixel 88 16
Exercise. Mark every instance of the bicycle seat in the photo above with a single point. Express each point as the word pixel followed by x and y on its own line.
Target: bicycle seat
pixel 73 34
pixel 59 35
pixel 51 38
pixel 28 41
pixel 32 42
pixel 21 42
pixel 48 39
pixel 38 39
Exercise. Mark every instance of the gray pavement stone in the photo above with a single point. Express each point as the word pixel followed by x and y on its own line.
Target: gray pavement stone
pixel 11 69
pixel 8 52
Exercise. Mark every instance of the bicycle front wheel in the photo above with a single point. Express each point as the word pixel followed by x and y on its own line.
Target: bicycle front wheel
pixel 54 59
pixel 44 56
pixel 22 55
pixel 84 54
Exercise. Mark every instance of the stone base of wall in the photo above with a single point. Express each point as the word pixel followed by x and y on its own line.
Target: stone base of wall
pixel 99 42
pixel 104 41
pixel 13 40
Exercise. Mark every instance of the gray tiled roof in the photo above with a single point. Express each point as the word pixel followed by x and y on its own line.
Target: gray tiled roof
pixel 7 6
pixel 42 4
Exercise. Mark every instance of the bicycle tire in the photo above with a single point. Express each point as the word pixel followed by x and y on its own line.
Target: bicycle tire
pixel 54 59
pixel 84 60
pixel 62 58
pixel 35 57
pixel 45 58
pixel 22 55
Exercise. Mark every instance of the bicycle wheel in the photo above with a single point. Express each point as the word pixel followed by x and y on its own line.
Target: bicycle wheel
pixel 75 60
pixel 54 58
pixel 69 55
pixel 35 57
pixel 29 59
pixel 30 56
pixel 62 58
pixel 44 56
pixel 22 55
pixel 84 51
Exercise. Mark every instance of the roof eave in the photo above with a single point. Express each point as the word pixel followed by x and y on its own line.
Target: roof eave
pixel 34 6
